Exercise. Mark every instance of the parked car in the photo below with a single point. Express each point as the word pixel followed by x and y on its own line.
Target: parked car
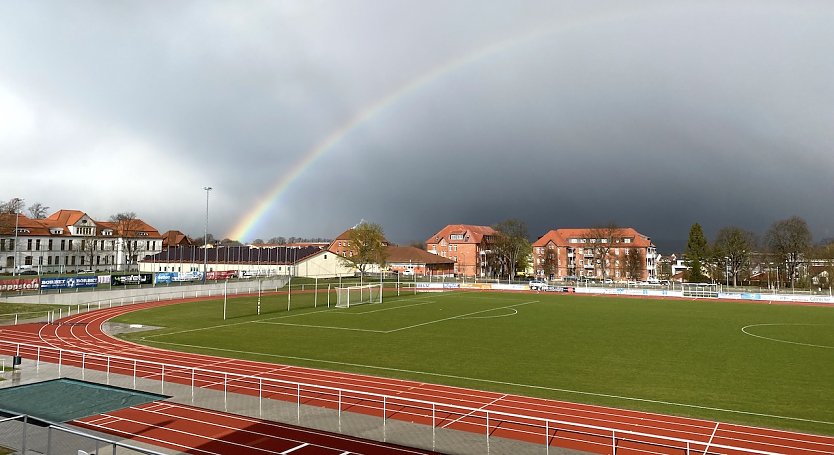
pixel 28 272
pixel 538 285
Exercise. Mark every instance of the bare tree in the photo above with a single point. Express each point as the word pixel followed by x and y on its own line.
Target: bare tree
pixel 789 240
pixel 9 215
pixel 128 227
pixel 511 246
pixel 38 211
pixel 13 206
pixel 633 264
pixel 88 248
pixel 601 240
pixel 550 265
pixel 735 246
pixel 366 246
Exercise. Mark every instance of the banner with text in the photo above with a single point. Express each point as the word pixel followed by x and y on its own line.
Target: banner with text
pixel 69 282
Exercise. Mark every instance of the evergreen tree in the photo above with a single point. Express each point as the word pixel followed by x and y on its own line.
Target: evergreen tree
pixel 696 253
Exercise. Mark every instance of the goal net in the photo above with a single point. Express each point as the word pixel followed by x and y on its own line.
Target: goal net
pixel 700 290
pixel 357 295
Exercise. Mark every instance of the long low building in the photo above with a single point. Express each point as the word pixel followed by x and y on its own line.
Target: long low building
pixel 311 261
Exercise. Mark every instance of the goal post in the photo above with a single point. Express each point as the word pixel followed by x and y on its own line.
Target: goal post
pixel 357 295
pixel 700 290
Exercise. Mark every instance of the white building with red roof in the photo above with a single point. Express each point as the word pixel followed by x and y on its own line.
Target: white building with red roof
pixel 70 241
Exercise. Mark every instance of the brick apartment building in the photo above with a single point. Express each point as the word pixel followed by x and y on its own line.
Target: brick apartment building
pixel 573 253
pixel 465 244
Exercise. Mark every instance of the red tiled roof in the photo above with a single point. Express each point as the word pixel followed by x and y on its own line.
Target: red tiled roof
pixel 471 233
pixel 175 238
pixel 403 254
pixel 561 237
pixel 62 219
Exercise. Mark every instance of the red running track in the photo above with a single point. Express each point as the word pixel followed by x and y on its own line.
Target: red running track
pixel 199 431
pixel 83 333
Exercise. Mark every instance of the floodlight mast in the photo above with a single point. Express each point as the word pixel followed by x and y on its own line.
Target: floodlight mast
pixel 205 236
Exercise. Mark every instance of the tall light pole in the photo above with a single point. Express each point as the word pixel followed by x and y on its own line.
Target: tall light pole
pixel 205 236
pixel 16 223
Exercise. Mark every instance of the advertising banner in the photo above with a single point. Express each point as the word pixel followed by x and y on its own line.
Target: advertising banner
pixel 20 284
pixel 188 276
pixel 224 275
pixel 69 282
pixel 164 277
pixel 132 279
pixel 438 285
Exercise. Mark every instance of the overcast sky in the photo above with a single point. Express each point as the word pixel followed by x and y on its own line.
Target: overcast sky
pixel 651 114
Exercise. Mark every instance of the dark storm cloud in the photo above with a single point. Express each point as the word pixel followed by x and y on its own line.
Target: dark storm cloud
pixel 649 114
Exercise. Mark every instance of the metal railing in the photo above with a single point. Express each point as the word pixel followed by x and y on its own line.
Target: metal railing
pixel 25 434
pixel 419 423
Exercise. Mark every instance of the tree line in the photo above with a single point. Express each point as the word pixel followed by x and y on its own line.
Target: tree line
pixel 785 253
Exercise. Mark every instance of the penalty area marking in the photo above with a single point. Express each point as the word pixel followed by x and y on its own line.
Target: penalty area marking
pixel 778 340
pixel 460 316
pixel 512 313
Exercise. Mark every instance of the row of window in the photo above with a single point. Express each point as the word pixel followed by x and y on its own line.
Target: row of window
pixel 617 240
pixel 67 245
pixel 68 260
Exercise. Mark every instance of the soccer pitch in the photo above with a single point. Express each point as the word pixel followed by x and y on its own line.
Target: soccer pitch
pixel 770 365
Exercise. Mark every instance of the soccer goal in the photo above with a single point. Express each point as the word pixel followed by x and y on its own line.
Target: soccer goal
pixel 357 295
pixel 700 290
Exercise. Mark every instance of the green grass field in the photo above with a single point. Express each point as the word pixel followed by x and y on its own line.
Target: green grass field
pixel 689 358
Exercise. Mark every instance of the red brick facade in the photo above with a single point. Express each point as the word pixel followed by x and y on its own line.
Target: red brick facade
pixel 572 254
pixel 464 244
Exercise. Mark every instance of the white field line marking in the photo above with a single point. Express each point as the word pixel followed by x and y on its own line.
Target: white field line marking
pixel 709 443
pixel 514 312
pixel 320 327
pixel 473 411
pixel 282 316
pixel 463 316
pixel 503 383
pixel 389 308
pixel 460 316
pixel 744 330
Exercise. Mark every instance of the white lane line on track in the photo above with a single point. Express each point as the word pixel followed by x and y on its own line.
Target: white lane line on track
pixel 298 447
pixel 709 443
pixel 196 416
pixel 473 411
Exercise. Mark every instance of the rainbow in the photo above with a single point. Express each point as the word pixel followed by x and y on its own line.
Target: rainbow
pixel 250 221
